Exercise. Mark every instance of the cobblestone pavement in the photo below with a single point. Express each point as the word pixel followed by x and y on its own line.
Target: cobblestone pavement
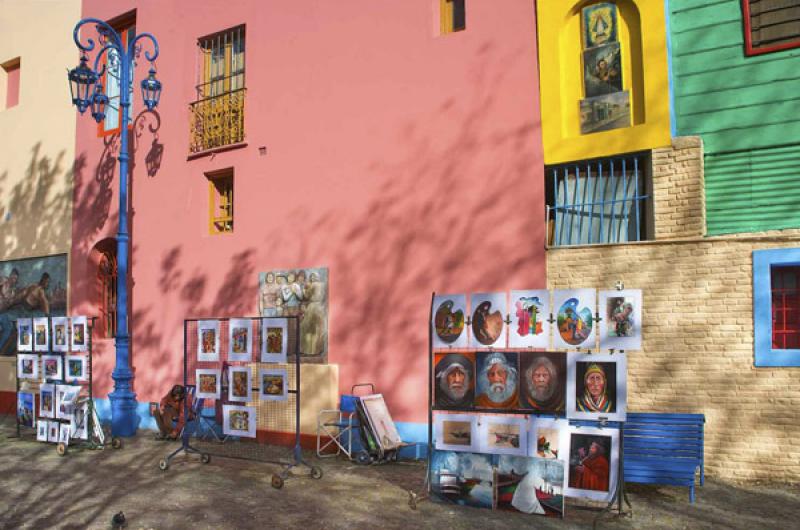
pixel 85 488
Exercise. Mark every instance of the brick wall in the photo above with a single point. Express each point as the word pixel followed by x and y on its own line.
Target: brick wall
pixel 697 352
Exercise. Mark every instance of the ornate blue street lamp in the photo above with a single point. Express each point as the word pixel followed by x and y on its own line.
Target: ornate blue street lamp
pixel 87 92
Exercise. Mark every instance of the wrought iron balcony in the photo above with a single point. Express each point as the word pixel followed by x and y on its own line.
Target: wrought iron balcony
pixel 217 121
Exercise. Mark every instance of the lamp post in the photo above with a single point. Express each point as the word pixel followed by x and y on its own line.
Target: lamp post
pixel 87 92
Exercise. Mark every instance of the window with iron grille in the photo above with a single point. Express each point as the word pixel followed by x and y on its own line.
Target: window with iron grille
pixel 599 201
pixel 220 202
pixel 107 276
pixel 112 82
pixel 217 115
pixel 770 25
pixel 786 307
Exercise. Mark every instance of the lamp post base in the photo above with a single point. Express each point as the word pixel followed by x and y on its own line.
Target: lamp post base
pixel 124 419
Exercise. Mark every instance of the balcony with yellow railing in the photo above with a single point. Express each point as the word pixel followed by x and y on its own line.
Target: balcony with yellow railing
pixel 217 121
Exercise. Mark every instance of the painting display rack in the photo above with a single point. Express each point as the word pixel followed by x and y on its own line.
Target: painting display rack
pixel 97 435
pixel 207 435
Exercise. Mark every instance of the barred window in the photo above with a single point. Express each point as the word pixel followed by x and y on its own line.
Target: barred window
pixel 599 201
pixel 107 276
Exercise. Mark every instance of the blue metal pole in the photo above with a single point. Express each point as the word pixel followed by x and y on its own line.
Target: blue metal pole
pixel 124 420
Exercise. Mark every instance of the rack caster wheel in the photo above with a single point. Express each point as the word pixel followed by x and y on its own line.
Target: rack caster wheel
pixel 205 458
pixel 163 465
pixel 61 449
pixel 277 482
pixel 116 443
pixel 412 500
pixel 316 472
pixel 363 458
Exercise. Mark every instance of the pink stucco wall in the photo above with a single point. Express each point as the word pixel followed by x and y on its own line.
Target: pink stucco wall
pixel 403 161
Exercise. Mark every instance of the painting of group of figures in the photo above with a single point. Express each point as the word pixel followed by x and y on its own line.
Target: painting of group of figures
pixel 301 293
pixel 574 319
pixel 33 287
pixel 585 386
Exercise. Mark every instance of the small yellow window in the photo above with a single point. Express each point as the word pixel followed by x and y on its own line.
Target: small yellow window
pixel 220 202
pixel 452 15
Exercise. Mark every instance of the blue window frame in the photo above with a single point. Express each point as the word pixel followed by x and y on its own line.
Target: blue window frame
pixel 599 201
pixel 766 310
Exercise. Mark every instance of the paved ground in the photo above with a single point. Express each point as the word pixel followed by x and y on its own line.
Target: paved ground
pixel 39 489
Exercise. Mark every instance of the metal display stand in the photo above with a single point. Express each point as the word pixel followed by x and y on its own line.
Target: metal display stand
pixel 97 437
pixel 619 494
pixel 274 414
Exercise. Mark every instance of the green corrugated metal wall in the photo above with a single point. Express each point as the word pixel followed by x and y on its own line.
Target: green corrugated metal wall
pixel 747 110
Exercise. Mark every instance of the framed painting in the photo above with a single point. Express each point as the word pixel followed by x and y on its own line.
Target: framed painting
pixel 503 435
pixel 273 384
pixel 76 367
pixel 597 386
pixel 25 334
pixel 41 430
pixel 47 401
pixel 66 398
pixel 621 326
pixel 239 387
pixel 63 433
pixel 27 366
pixel 239 420
pixel 449 317
pixel 26 409
pixel 51 367
pixel 599 24
pixel 605 113
pixel 488 322
pixel 602 70
pixel 463 478
pixel 530 315
pixel 496 381
pixel 79 334
pixel 530 485
pixel 593 463
pixel 543 382
pixel 60 332
pixel 53 431
pixel 575 310
pixel 208 340
pixel 274 340
pixel 454 380
pixel 240 339
pixel 549 438
pixel 41 335
pixel 209 383
pixel 381 421
pixel 455 432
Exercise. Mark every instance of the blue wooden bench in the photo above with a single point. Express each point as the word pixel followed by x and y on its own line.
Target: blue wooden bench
pixel 664 449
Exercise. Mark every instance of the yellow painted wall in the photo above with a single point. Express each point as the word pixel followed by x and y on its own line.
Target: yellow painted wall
pixel 38 135
pixel 643 47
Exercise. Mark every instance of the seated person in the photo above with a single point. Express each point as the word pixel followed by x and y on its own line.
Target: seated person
pixel 171 409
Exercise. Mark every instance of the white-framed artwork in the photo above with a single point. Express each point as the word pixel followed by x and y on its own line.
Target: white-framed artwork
pixel 79 423
pixel 530 319
pixel 41 430
pixel 574 312
pixel 273 384
pixel 503 435
pixel 621 324
pixel 26 409
pixel 66 397
pixel 274 340
pixel 41 335
pixel 63 433
pixel 488 322
pixel 79 338
pixel 208 340
pixel 548 438
pixel 597 386
pixel 239 386
pixel 53 431
pixel 529 485
pixel 27 366
pixel 209 383
pixel 52 367
pixel 75 367
pixel 240 339
pixel 238 420
pixel 24 334
pixel 455 432
pixel 381 421
pixel 60 332
pixel 593 463
pixel 47 400
pixel 449 321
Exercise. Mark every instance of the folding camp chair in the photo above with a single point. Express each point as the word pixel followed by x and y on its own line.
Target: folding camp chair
pixel 337 425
